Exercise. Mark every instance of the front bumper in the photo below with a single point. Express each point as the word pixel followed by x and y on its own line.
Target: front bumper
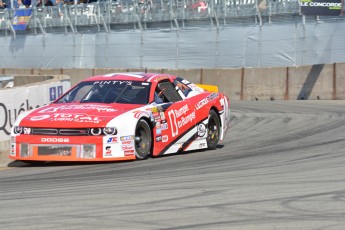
pixel 70 148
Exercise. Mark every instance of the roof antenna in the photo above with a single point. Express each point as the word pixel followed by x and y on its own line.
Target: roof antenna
pixel 146 70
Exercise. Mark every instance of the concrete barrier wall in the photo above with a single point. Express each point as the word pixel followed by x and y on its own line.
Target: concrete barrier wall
pixel 29 79
pixel 14 71
pixel 317 82
pixel 264 84
pixel 229 81
pixel 311 82
pixel 339 84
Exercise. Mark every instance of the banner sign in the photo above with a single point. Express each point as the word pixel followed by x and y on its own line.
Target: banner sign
pixel 321 7
pixel 17 100
pixel 21 19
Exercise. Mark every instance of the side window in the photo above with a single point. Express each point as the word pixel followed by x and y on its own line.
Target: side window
pixel 182 85
pixel 166 92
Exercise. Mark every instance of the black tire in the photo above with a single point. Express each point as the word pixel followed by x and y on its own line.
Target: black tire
pixel 143 140
pixel 213 130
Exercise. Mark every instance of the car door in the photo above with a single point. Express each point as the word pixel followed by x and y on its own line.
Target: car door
pixel 174 119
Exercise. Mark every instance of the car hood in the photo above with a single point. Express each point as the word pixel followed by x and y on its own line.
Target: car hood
pixel 75 115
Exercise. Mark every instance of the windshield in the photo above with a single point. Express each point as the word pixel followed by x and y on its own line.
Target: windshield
pixel 128 92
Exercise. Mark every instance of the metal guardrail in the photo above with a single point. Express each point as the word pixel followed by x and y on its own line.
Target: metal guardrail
pixel 139 13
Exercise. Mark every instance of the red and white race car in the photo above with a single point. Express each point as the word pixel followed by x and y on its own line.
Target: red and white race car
pixel 123 116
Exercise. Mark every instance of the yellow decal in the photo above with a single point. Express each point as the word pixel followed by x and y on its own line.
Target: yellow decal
pixel 154 110
pixel 210 88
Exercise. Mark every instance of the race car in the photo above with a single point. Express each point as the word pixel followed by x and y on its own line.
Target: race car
pixel 123 116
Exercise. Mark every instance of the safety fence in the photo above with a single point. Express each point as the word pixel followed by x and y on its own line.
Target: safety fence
pixel 140 13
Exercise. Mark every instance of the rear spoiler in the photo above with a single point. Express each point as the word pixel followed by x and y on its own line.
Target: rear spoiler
pixel 210 88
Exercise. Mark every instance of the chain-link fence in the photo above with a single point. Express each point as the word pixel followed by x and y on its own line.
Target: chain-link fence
pixel 141 14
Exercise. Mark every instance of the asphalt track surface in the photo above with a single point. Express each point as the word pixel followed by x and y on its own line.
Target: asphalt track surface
pixel 280 167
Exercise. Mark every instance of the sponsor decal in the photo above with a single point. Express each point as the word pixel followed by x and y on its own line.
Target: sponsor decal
pixel 104 109
pixel 202 145
pixel 127 147
pixel 212 96
pixel 129 153
pixel 162 115
pixel 81 118
pixel 154 110
pixel 113 82
pixel 182 111
pixel 39 118
pixel 108 150
pixel 165 138
pixel 127 138
pixel 201 130
pixel 158 138
pixel 187 119
pixel 27 130
pixel 158 131
pixel 175 123
pixel 127 142
pixel 139 113
pixel 164 126
pixel 201 103
pixel 205 101
pixel 158 125
pixel 185 82
pixel 112 140
pixel 13 149
pixel 99 108
pixel 54 140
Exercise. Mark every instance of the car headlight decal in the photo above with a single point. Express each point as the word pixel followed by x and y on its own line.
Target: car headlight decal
pixel 18 129
pixel 96 131
pixel 109 131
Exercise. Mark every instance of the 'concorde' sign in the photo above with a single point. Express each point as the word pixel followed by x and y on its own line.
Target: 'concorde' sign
pixel 321 7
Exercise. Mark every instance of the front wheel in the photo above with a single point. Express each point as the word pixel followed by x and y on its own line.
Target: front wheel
pixel 143 140
pixel 213 130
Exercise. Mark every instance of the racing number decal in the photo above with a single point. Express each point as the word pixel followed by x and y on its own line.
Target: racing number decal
pixel 173 123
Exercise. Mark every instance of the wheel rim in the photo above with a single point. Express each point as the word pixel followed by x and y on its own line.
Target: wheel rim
pixel 213 131
pixel 141 141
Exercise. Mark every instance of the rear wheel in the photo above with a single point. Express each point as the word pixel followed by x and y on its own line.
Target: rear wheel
pixel 143 140
pixel 213 130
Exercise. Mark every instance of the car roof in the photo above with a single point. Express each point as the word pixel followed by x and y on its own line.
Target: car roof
pixel 129 76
